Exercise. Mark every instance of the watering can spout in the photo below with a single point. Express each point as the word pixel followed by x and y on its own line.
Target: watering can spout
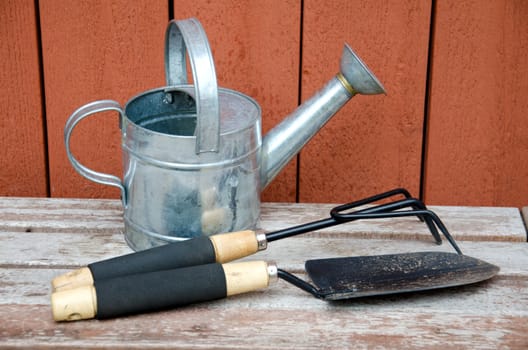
pixel 282 143
pixel 358 75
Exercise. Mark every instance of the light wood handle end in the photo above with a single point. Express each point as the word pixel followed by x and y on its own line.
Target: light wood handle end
pixel 72 279
pixel 74 304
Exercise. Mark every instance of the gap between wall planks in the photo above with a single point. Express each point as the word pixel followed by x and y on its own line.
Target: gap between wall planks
pixel 477 140
pixel 23 160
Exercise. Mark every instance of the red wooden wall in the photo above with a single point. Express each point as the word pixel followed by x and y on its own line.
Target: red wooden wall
pixel 22 125
pixel 453 126
pixel 477 150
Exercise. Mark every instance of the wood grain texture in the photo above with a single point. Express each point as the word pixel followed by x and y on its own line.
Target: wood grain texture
pixel 465 223
pixel 488 315
pixel 256 51
pixel 23 159
pixel 374 142
pixel 290 254
pixel 478 134
pixel 205 327
pixel 96 50
pixel 70 227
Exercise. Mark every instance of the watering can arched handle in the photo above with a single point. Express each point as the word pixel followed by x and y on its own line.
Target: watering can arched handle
pixel 75 118
pixel 189 36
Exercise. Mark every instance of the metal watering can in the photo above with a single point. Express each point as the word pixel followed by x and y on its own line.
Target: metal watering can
pixel 194 159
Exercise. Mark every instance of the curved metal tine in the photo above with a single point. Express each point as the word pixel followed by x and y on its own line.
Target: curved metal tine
pixel 299 283
pixel 338 213
pixel 338 217
pixel 378 197
pixel 374 198
pixel 417 205
pixel 427 212
pixel 421 204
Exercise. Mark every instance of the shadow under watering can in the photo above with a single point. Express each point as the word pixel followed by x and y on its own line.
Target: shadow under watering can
pixel 194 158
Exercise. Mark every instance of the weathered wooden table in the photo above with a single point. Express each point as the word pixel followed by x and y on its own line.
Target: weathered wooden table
pixel 42 238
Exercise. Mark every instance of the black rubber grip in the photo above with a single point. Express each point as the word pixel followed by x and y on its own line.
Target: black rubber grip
pixel 195 251
pixel 159 290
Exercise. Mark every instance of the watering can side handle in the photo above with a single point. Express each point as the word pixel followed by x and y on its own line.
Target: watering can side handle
pixel 73 120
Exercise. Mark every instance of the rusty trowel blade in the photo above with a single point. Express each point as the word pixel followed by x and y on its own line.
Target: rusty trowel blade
pixel 353 277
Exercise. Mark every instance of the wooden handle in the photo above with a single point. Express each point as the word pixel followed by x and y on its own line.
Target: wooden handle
pixel 245 277
pixel 72 279
pixel 74 304
pixel 234 245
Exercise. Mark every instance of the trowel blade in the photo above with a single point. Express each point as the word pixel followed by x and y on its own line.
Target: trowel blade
pixel 353 277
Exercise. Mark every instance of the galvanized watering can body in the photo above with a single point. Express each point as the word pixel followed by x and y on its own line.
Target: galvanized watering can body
pixel 194 161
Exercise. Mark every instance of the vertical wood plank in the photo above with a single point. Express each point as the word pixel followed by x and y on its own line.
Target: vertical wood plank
pixel 95 49
pixel 478 129
pixel 22 160
pixel 374 143
pixel 255 46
